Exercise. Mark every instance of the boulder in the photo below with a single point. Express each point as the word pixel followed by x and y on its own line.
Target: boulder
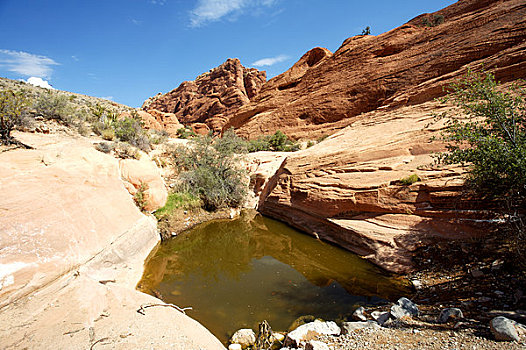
pixel 349 327
pixel 450 313
pixel 244 337
pixel 504 329
pixel 310 331
pixel 380 316
pixel 404 307
pixel 235 347
pixel 358 314
pixel 136 173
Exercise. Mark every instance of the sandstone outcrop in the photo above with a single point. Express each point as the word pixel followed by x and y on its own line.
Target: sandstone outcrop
pixel 347 189
pixel 73 247
pixel 212 97
pixel 411 64
pixel 144 173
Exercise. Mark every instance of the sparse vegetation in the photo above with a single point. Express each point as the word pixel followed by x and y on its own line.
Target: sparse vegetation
pixel 434 21
pixel 185 133
pixel 409 180
pixel 490 138
pixel 366 31
pixel 278 142
pixel 140 197
pixel 209 170
pixel 178 200
pixel 12 107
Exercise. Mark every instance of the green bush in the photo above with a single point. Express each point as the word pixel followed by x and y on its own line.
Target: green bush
pixel 490 137
pixel 51 105
pixel 409 180
pixel 185 133
pixel 12 107
pixel 140 197
pixel 366 31
pixel 210 172
pixel 278 142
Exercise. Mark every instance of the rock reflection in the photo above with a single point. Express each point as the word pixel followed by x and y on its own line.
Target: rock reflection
pixel 237 273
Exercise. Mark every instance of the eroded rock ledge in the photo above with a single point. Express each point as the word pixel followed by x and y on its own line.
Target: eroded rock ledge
pixel 73 245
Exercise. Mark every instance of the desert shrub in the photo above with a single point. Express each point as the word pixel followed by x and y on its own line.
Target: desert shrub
pixel 12 108
pixel 158 136
pixel 310 143
pixel 52 105
pixel 321 138
pixel 409 180
pixel 210 173
pixel 108 134
pixel 366 31
pixel 184 133
pixel 490 137
pixel 230 143
pixel 436 20
pixel 104 147
pixel 278 142
pixel 126 151
pixel 140 196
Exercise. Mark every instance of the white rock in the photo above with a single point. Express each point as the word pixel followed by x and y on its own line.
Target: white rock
pixel 358 314
pixel 244 337
pixel 309 331
pixel 235 347
pixel 278 337
pixel 448 313
pixel 349 327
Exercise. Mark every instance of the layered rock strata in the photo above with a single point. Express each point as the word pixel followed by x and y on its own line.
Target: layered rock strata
pixel 411 64
pixel 348 189
pixel 212 97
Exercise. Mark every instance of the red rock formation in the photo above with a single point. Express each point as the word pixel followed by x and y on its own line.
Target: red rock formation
pixel 408 65
pixel 212 97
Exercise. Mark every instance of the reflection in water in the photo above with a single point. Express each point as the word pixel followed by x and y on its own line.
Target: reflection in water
pixel 237 273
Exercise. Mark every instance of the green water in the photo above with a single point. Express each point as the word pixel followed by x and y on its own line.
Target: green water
pixel 234 274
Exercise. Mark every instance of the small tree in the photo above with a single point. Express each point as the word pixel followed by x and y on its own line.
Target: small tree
pixel 12 106
pixel 490 137
pixel 366 31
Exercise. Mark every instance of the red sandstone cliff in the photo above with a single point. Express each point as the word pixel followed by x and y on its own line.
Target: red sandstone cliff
pixel 408 65
pixel 212 97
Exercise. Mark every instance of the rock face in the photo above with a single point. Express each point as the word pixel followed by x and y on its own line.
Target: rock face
pixel 73 248
pixel 310 331
pixel 212 97
pixel 347 189
pixel 411 64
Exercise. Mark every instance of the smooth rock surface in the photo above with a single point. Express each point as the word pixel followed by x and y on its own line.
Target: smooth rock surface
pixel 73 248
pixel 309 331
pixel 348 327
pixel 358 314
pixel 404 307
pixel 504 329
pixel 450 313
pixel 244 337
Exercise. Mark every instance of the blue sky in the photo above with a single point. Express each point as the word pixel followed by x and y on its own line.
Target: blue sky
pixel 128 50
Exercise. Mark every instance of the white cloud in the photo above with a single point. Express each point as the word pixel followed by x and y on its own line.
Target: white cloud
pixel 75 58
pixel 270 61
pixel 158 2
pixel 208 11
pixel 110 98
pixel 27 64
pixel 39 82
